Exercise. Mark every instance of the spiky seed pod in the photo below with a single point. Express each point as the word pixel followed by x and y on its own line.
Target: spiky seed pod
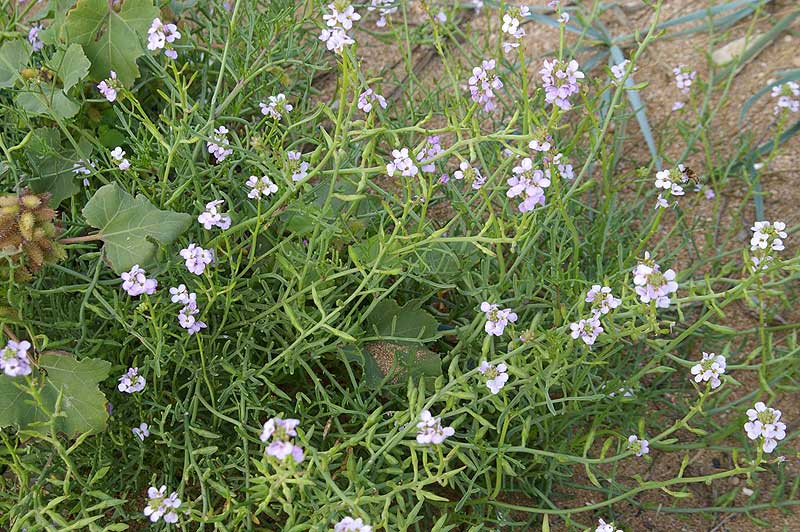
pixel 28 232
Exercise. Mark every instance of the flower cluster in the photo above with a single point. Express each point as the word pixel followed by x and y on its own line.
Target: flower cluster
pixel 767 237
pixel 653 285
pixel 764 422
pixel 671 181
pixel 14 359
pixel 588 329
pixel 367 98
pixel 197 258
pixel 639 446
pixel 788 96
pixel 136 283
pixel 108 87
pixel 275 106
pixel 298 168
pixel 528 183
pixel 542 140
pixel 470 174
pixel 281 431
pixel 560 81
pixel 385 8
pixel 187 315
pixel 496 376
pixel 218 145
pixel 431 149
pixel 142 431
pixel 131 381
pixel 602 526
pixel 161 36
pixel 260 186
pixel 118 155
pixel 339 19
pixel 601 299
pixel 511 22
pixel 430 430
pixel 33 37
pixel 211 217
pixel 709 369
pixel 402 163
pixel 561 163
pixel 684 78
pixel 483 83
pixel 160 506
pixel 348 524
pixel 496 319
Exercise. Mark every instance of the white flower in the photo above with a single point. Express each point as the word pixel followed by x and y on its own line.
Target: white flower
pixel 402 163
pixel 82 167
pixel 765 423
pixel 767 237
pixel 131 381
pixel 602 526
pixel 197 258
pixel 470 174
pixel 136 283
pixel 430 430
pixel 601 299
pixel 211 217
pixel 160 506
pixel 282 432
pixel 348 524
pixel 275 105
pixel 496 376
pixel 260 186
pixel 587 329
pixel 640 447
pixel 218 145
pixel 618 71
pixel 367 98
pixel 496 319
pixel 118 154
pixel 652 285
pixel 669 180
pixel 709 369
pixel 142 431
pixel 341 14
pixel 335 39
pixel 14 360
pixel 161 36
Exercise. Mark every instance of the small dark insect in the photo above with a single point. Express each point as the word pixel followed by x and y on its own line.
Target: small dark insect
pixel 691 175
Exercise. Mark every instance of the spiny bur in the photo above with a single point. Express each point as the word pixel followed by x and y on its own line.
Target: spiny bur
pixel 28 232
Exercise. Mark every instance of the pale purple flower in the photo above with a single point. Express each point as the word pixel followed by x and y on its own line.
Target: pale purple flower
pixel 560 81
pixel 162 36
pixel 108 87
pixel 211 217
pixel 83 167
pixel 348 524
pixel 651 284
pixel 684 77
pixel 528 183
pixel 131 381
pixel 709 193
pixel 509 46
pixel 602 526
pixel 159 506
pixel 542 142
pixel 601 299
pixel 639 446
pixel 661 202
pixel 678 105
pixel 470 174
pixel 142 431
pixel 709 369
pixel 618 70
pixel 497 319
pixel 298 168
pixel 367 98
pixel 180 294
pixel 260 187
pixel 118 155
pixel 197 258
pixel 587 329
pixel 335 39
pixel 385 8
pixel 788 97
pixel 218 146
pixel 565 169
pixel 764 422
pixel 496 376
pixel 282 432
pixel 14 360
pixel 431 149
pixel 136 283
pixel 402 163
pixel 276 105
pixel 187 316
pixel 33 37
pixel 483 84
pixel 430 429
pixel 341 14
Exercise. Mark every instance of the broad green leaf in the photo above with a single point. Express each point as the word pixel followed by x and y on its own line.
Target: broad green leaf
pixel 82 407
pixel 13 56
pixel 50 101
pixel 51 164
pixel 365 254
pixel 126 223
pixel 71 65
pixel 408 323
pixel 111 39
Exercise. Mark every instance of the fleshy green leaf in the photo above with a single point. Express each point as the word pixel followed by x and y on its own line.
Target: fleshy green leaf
pixel 126 224
pixel 111 39
pixel 50 101
pixel 13 56
pixel 70 65
pixel 408 323
pixel 82 406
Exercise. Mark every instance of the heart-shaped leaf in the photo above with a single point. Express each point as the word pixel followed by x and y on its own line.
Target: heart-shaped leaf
pixel 112 39
pixel 126 223
pixel 82 407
